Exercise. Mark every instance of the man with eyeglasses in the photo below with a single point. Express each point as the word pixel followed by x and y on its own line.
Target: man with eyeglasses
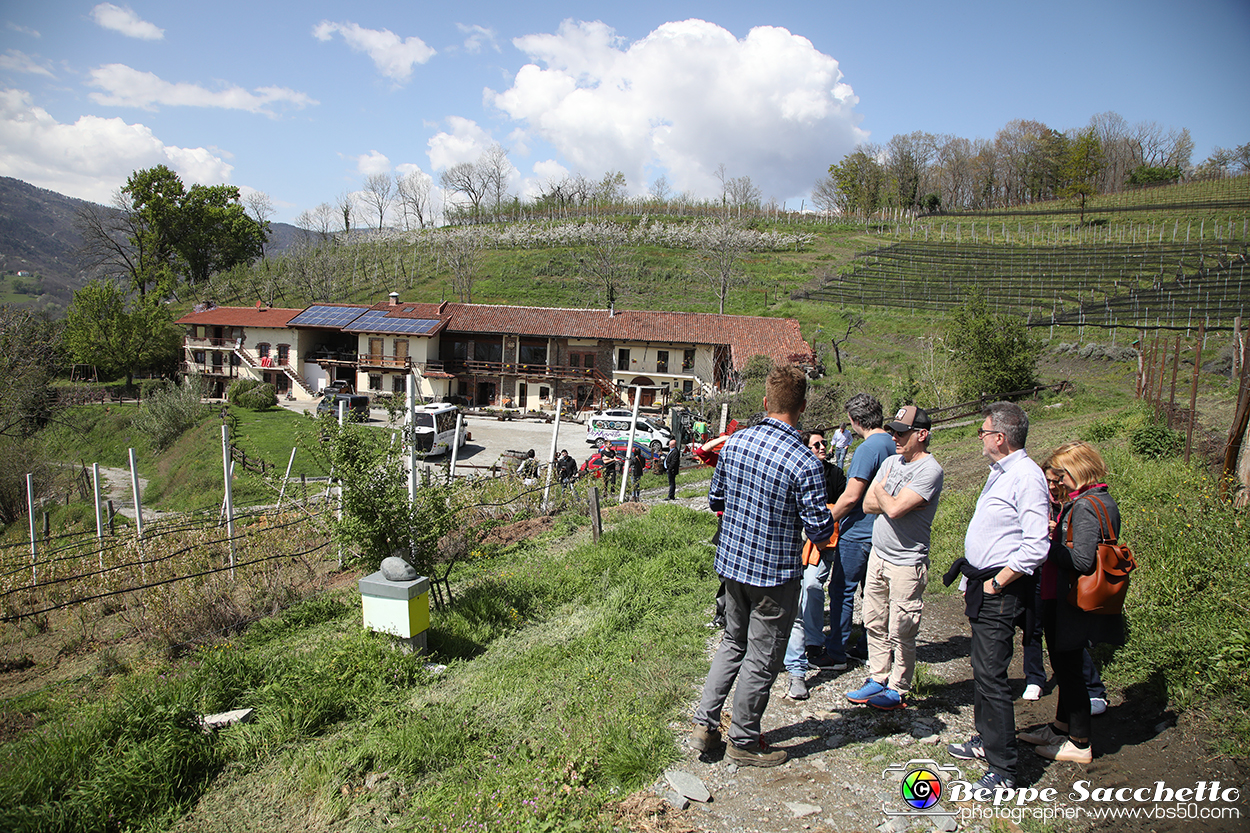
pixel 1007 540
pixel 904 497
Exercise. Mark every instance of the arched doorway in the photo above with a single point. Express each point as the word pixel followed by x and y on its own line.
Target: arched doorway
pixel 648 390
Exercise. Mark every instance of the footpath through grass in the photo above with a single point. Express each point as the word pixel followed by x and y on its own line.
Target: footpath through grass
pixel 565 667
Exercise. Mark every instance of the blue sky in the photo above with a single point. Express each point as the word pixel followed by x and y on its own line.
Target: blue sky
pixel 302 100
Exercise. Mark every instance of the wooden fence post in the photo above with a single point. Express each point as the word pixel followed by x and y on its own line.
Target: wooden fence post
pixel 1176 361
pixel 1193 391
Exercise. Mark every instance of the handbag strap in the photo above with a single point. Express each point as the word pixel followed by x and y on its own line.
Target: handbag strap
pixel 1104 521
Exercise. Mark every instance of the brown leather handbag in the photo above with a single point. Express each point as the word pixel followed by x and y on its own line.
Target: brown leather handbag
pixel 1103 590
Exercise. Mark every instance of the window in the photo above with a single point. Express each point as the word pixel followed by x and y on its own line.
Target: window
pixel 284 355
pixel 544 393
pixel 687 387
pixel 687 360
pixel 199 356
pixel 487 351
pixel 401 348
pixel 661 361
pixel 452 349
pixel 575 359
pixel 397 384
pixel 262 350
pixel 375 350
pixel 533 353
pixel 622 359
pixel 375 381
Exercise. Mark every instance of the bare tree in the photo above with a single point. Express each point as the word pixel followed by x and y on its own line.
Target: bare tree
pixel 465 178
pixel 317 222
pixel 378 194
pixel 742 193
pixel 722 176
pixel 413 190
pixel 826 196
pixel 495 170
pixel 853 323
pixel 108 235
pixel 260 206
pixel 460 252
pixel 723 249
pixel 346 207
pixel 607 269
pixel 660 189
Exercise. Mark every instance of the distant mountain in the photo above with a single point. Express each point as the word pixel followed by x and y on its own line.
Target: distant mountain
pixel 38 235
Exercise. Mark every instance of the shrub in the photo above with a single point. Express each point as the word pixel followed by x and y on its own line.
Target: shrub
pixel 252 394
pixel 1155 440
pixel 994 352
pixel 170 411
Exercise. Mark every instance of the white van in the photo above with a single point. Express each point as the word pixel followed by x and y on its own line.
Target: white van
pixel 605 427
pixel 434 429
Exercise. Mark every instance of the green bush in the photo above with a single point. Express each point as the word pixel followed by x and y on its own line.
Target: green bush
pixel 170 411
pixel 1155 440
pixel 252 394
pixel 1102 430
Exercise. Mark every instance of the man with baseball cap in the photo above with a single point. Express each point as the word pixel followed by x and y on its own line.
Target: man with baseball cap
pixel 904 497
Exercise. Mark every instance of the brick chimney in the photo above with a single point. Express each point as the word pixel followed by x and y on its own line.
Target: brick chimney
pixel 259 306
pixel 442 307
pixel 394 299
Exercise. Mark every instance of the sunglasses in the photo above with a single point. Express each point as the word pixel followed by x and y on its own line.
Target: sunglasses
pixel 818 444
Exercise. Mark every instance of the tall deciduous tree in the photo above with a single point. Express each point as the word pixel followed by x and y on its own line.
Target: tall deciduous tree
pixel 720 261
pixel 1082 168
pixel 215 232
pixel 119 338
pixel 378 195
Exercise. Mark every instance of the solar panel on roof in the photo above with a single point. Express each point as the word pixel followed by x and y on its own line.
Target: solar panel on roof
pixel 375 321
pixel 325 316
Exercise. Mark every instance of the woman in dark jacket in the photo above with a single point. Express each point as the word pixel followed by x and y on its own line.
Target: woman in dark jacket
pixel 1069 629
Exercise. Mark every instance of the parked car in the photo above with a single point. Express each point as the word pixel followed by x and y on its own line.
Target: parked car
pixel 357 406
pixel 593 467
pixel 605 427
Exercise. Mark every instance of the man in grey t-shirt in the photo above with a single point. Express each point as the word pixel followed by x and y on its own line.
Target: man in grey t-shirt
pixel 904 496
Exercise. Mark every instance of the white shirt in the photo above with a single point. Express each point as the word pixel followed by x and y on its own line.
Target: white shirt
pixel 1010 525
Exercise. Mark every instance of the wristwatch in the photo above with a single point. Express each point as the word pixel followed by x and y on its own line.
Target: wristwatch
pixel 998 588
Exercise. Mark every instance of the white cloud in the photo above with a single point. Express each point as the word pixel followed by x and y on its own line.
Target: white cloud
pixel 372 163
pixel 478 36
pixel 25 30
pixel 465 143
pixel 546 171
pixel 127 87
pixel 394 58
pixel 18 61
pixel 686 98
pixel 92 157
pixel 122 19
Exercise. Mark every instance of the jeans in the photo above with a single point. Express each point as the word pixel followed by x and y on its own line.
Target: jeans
pixel 809 624
pixel 852 564
pixel 758 621
pixel 839 457
pixel 993 640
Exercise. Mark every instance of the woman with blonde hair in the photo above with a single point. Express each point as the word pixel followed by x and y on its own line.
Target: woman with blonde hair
pixel 1069 629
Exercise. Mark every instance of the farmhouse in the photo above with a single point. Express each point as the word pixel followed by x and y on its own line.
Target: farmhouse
pixel 501 356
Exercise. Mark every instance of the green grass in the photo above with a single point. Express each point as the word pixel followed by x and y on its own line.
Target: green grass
pixel 566 665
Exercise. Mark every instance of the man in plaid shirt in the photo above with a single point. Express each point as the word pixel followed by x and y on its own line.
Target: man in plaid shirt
pixel 771 489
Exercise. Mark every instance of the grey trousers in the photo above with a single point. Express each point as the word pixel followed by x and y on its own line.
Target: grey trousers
pixel 757 626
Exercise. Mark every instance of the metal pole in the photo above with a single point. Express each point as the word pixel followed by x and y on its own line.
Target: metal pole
pixel 724 416
pixel 95 485
pixel 30 513
pixel 285 478
pixel 226 472
pixel 455 447
pixel 629 448
pixel 134 487
pixel 410 396
pixel 551 455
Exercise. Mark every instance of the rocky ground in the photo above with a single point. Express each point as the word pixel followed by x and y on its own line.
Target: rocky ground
pixel 837 779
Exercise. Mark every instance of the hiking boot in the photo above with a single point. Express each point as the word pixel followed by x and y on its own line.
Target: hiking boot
pixel 1032 691
pixel 704 738
pixel 1042 736
pixel 1066 750
pixel 870 689
pixel 973 750
pixel 757 754
pixel 798 687
pixel 888 700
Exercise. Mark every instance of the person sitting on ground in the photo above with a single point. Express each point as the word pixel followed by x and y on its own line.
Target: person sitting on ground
pixel 1068 628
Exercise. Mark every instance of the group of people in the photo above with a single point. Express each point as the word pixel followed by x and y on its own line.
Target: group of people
pixel 566 469
pixel 792 521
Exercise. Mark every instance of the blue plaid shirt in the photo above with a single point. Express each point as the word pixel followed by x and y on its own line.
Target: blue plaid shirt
pixel 771 487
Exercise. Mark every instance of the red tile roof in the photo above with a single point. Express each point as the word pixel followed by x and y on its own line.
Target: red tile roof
pixel 746 336
pixel 275 317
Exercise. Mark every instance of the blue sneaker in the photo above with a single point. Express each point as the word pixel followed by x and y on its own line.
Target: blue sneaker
pixel 888 700
pixel 869 690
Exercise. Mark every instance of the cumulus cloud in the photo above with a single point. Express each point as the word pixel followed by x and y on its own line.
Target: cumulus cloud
pixel 465 143
pixel 122 19
pixel 686 98
pixel 18 61
pixel 372 163
pixel 477 37
pixel 127 87
pixel 394 58
pixel 92 157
